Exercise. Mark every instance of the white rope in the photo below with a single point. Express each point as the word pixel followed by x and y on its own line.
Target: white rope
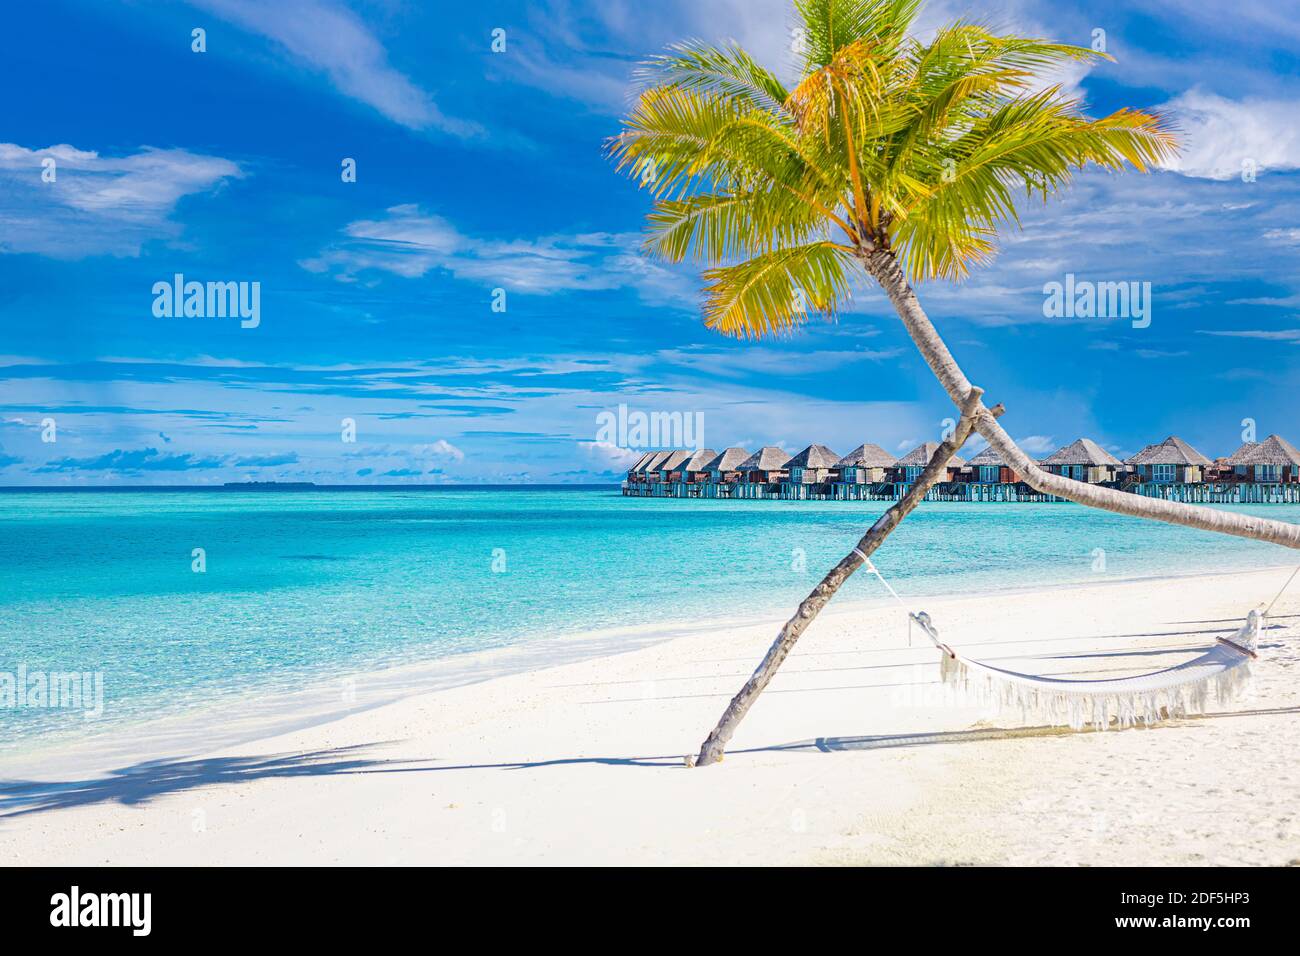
pixel 901 603
pixel 872 568
pixel 1270 603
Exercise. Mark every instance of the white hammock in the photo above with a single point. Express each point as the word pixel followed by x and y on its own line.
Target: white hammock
pixel 1224 669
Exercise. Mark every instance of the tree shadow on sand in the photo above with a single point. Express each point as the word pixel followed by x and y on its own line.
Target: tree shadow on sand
pixel 142 782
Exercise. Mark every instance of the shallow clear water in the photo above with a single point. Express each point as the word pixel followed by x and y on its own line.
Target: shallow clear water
pixel 300 581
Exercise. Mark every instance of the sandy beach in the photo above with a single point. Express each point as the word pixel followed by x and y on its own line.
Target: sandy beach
pixel 855 755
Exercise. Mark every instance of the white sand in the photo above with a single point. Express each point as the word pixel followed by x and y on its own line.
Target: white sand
pixel 582 763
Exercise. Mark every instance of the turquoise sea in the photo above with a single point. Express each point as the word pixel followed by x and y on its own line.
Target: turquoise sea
pixel 298 583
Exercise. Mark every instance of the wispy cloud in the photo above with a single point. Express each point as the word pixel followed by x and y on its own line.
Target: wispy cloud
pixel 121 461
pixel 1159 353
pixel 748 359
pixel 264 461
pixel 88 204
pixel 328 37
pixel 1037 444
pixel 1271 335
pixel 410 242
pixel 1287 237
pixel 588 52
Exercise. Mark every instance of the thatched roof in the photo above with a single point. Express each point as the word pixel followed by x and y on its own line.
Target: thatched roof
pixel 1273 450
pixel 1236 456
pixel 867 456
pixel 1085 451
pixel 729 460
pixel 652 463
pixel 1172 451
pixel 814 456
pixel 642 461
pixel 767 458
pixel 989 457
pixel 674 461
pixel 699 459
pixel 921 455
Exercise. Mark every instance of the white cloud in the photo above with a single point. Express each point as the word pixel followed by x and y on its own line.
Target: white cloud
pixel 749 359
pixel 1220 134
pixel 98 204
pixel 608 456
pixel 1159 353
pixel 330 38
pixel 1288 237
pixel 440 450
pixel 1037 444
pixel 1271 335
pixel 410 242
pixel 603 42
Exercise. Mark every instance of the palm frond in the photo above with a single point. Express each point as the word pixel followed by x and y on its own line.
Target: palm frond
pixel 883 142
pixel 776 290
pixel 830 25
pixel 716 227
pixel 1034 144
pixel 727 71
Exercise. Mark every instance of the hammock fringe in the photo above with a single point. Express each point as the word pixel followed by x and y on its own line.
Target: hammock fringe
pixel 1061 708
pixel 1222 674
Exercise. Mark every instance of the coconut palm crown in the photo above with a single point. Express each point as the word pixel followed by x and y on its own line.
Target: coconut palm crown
pixel 885 147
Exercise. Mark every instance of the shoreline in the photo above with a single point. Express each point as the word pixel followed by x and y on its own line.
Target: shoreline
pixel 854 754
pixel 291 702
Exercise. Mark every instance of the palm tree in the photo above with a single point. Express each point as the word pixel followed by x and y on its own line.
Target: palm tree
pixel 891 159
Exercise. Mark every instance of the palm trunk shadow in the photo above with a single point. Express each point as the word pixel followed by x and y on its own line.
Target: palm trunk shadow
pixel 140 783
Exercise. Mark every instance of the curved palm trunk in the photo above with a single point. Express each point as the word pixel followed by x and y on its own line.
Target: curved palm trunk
pixel 884 268
pixel 712 748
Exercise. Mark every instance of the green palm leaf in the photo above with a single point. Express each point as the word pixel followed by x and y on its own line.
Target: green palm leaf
pixel 884 144
pixel 778 288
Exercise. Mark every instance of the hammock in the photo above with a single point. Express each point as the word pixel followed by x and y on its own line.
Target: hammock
pixel 1222 671
pixel 1144 699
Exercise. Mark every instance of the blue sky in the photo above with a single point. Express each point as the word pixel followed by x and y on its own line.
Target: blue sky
pixel 481 170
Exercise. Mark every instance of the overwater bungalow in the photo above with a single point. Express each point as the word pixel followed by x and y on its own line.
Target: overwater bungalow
pixel 1170 461
pixel 908 468
pixel 1084 460
pixel 812 466
pixel 647 470
pixel 767 466
pixel 1271 461
pixel 695 468
pixel 1221 470
pixel 989 468
pixel 670 468
pixel 724 469
pixel 636 474
pixel 867 464
pixel 1265 472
